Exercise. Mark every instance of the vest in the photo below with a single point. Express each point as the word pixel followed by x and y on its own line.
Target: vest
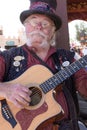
pixel 14 66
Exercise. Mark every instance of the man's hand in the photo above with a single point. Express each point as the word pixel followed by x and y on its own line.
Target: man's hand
pixel 18 94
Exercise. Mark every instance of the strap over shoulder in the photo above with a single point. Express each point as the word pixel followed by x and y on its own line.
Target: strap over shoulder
pixel 66 54
pixel 62 55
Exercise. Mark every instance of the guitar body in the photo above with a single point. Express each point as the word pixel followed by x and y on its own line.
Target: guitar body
pixel 30 118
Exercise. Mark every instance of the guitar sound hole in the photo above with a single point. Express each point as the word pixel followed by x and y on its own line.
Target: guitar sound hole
pixel 35 96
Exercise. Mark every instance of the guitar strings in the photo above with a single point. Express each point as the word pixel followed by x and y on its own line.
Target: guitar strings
pixel 35 92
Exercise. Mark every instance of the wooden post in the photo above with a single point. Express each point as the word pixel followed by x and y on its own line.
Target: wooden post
pixel 62 38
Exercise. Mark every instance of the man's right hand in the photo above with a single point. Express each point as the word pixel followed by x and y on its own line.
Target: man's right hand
pixel 18 94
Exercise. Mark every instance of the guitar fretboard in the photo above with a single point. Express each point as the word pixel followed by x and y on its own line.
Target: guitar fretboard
pixel 63 74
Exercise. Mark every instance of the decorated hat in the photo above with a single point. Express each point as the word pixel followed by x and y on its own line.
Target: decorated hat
pixel 46 7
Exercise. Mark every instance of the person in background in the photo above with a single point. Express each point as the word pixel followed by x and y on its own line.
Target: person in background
pixel 84 50
pixel 41 24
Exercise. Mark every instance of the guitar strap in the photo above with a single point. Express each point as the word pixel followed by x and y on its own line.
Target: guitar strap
pixel 72 109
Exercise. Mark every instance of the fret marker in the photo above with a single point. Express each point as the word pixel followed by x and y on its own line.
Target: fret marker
pixel 55 79
pixel 74 66
pixel 50 82
pixel 82 61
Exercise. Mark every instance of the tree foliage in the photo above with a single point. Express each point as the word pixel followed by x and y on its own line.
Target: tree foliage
pixel 81 29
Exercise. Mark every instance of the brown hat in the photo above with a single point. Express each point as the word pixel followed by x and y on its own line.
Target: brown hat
pixel 46 7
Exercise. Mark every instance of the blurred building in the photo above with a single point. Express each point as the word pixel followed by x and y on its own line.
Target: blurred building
pixel 8 42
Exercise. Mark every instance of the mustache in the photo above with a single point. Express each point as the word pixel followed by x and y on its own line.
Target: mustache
pixel 39 33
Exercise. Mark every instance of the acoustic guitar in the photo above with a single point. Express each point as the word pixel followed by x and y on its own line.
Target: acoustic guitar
pixel 43 106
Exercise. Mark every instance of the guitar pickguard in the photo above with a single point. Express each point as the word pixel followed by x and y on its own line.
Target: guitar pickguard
pixel 25 117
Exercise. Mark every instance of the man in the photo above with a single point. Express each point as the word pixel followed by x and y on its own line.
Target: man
pixel 84 50
pixel 41 23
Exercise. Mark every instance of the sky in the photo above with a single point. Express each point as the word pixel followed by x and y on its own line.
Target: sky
pixel 9 15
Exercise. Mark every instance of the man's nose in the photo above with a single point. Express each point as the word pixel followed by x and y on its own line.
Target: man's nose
pixel 39 26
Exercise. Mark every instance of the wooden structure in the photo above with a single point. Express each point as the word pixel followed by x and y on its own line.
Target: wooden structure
pixel 69 10
pixel 77 9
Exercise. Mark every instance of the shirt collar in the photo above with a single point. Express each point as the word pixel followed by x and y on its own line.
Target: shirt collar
pixel 51 51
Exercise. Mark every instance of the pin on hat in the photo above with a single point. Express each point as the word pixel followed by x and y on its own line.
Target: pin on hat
pixel 45 7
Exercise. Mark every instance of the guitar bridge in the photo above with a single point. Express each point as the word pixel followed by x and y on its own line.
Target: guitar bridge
pixel 6 113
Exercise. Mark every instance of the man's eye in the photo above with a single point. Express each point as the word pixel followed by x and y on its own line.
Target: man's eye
pixel 46 24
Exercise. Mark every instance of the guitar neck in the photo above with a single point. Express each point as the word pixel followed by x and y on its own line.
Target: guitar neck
pixel 63 74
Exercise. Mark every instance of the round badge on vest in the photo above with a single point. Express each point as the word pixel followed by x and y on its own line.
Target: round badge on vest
pixel 65 63
pixel 17 62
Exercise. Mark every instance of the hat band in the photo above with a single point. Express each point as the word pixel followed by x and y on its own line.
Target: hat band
pixel 41 6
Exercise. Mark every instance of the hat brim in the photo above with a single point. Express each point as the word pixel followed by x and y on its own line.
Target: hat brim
pixel 57 20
